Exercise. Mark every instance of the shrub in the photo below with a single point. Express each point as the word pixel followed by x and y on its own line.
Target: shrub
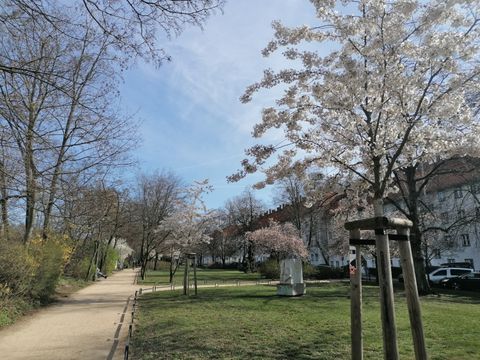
pixel 79 267
pixel 163 265
pixel 17 270
pixel 309 271
pixel 270 269
pixel 327 272
pixel 11 309
pixel 50 257
pixel 219 265
pixel 111 259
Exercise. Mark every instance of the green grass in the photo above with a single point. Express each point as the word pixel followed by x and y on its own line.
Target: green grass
pixel 204 276
pixel 253 323
pixel 68 285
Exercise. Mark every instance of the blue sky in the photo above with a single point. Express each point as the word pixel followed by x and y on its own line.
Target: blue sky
pixel 192 120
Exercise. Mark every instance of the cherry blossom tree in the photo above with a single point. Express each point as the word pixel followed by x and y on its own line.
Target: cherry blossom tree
pixel 280 240
pixel 155 200
pixel 394 91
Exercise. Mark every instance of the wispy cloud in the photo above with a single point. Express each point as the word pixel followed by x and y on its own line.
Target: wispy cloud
pixel 194 122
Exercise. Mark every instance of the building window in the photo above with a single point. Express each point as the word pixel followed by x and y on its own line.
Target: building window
pixel 437 254
pixel 470 261
pixel 332 263
pixel 312 257
pixel 316 256
pixel 441 196
pixel 465 240
pixel 337 264
pixel 458 193
pixel 450 261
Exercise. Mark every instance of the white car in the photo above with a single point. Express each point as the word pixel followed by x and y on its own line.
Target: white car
pixel 445 272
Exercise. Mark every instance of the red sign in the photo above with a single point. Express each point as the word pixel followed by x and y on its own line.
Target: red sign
pixel 353 270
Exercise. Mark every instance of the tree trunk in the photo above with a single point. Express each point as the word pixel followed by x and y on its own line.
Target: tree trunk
pixel 93 263
pixel 30 205
pixel 416 242
pixel 250 257
pixel 173 268
pixel 57 169
pixel 4 202
pixel 156 261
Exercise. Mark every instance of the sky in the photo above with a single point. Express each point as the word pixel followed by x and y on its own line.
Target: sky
pixel 192 121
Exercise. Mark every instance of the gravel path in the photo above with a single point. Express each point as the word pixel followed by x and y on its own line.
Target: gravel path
pixel 90 324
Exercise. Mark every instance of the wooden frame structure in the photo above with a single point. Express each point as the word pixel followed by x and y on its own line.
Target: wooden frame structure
pixel 381 242
pixel 191 257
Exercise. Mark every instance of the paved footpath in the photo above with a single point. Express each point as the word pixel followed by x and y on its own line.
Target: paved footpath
pixel 90 324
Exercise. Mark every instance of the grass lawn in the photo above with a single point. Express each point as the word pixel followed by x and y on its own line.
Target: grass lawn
pixel 204 276
pixel 253 323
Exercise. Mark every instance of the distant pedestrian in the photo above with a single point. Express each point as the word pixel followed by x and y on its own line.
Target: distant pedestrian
pixel 100 274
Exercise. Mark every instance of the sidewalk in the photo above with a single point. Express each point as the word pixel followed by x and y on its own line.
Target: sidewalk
pixel 90 324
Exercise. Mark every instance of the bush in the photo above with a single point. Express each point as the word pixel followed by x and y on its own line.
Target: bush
pixel 32 271
pixel 217 265
pixel 111 260
pixel 50 257
pixel 11 309
pixel 270 269
pixel 327 272
pixel 309 271
pixel 17 270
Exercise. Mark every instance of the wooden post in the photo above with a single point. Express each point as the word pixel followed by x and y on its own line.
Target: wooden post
pixel 188 276
pixel 411 292
pixel 390 347
pixel 356 298
pixel 185 277
pixel 195 272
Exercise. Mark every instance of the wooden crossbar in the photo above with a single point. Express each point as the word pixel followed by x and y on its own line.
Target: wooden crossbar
pixel 379 222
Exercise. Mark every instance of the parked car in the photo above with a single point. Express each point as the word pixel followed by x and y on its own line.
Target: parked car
pixel 466 265
pixel 468 281
pixel 428 269
pixel 441 273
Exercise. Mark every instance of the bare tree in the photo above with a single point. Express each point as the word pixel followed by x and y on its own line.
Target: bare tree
pixel 68 128
pixel 155 199
pixel 133 27
pixel 243 212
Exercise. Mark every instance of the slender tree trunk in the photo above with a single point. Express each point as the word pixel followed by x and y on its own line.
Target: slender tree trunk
pixel 4 202
pixel 250 257
pixel 93 263
pixel 156 261
pixel 30 186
